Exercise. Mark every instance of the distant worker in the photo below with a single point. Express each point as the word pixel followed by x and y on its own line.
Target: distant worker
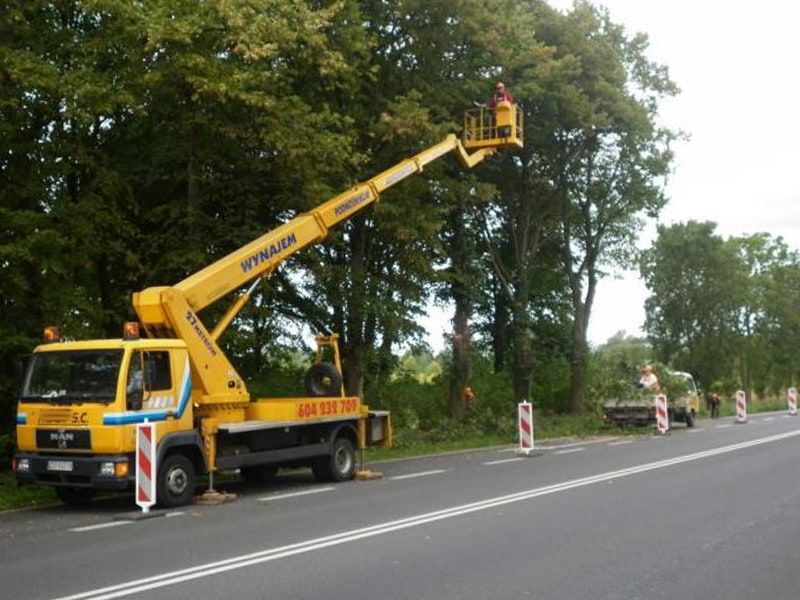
pixel 501 94
pixel 649 381
pixel 714 400
pixel 469 398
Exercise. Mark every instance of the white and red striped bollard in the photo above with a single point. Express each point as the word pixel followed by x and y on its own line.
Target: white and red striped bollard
pixel 525 422
pixel 741 407
pixel 662 416
pixel 791 399
pixel 146 465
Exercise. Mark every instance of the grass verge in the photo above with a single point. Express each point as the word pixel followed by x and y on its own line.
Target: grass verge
pixel 26 496
pixel 728 408
pixel 416 442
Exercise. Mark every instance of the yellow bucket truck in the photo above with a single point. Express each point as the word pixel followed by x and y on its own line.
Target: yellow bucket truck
pixel 81 400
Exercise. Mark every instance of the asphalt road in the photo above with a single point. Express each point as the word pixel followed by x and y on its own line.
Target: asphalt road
pixel 710 513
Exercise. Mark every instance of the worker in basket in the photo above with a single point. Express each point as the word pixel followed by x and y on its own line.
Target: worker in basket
pixel 501 94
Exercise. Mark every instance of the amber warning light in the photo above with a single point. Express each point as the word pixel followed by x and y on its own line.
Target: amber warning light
pixel 130 331
pixel 51 334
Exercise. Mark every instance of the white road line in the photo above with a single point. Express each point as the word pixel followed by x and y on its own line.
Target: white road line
pixel 723 426
pixel 621 443
pixel 570 451
pixel 100 526
pixel 177 513
pixel 420 474
pixel 295 494
pixel 697 429
pixel 145 584
pixel 574 444
pixel 559 446
pixel 768 419
pixel 787 416
pixel 505 460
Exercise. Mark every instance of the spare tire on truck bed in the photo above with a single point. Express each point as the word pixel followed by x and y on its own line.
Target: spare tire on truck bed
pixel 323 380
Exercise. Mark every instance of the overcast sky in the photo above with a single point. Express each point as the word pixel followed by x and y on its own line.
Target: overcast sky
pixel 738 67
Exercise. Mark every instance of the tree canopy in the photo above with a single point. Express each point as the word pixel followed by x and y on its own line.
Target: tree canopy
pixel 721 308
pixel 140 141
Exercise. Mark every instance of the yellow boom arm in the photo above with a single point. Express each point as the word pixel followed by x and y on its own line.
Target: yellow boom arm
pixel 262 255
pixel 172 311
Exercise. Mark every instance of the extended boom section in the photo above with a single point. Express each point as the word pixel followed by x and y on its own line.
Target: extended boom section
pixel 172 311
pixel 261 256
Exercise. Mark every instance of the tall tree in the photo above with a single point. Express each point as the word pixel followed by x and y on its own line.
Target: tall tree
pixel 691 272
pixel 601 154
pixel 721 308
pixel 143 140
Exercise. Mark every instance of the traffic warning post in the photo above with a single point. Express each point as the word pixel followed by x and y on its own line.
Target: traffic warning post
pixel 791 399
pixel 741 407
pixel 525 424
pixel 146 465
pixel 662 415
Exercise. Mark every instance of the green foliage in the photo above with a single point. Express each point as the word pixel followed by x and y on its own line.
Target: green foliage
pixel 6 450
pixel 722 308
pixel 12 496
pixel 141 141
pixel 282 375
pixel 419 407
pixel 421 366
pixel 614 367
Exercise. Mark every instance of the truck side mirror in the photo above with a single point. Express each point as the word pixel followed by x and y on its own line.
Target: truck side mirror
pixel 134 390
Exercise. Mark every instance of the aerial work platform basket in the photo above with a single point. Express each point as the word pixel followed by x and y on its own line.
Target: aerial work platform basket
pixel 497 127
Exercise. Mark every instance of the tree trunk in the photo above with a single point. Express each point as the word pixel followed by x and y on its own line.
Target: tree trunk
pixel 460 375
pixel 460 293
pixel 354 342
pixel 111 326
pixel 522 335
pixel 523 358
pixel 192 186
pixel 581 309
pixel 578 360
pixel 499 325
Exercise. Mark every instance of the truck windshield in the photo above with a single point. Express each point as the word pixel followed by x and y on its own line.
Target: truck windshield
pixel 73 376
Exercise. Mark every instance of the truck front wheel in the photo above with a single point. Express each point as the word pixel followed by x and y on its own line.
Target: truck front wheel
pixel 175 481
pixel 74 496
pixel 339 464
pixel 690 418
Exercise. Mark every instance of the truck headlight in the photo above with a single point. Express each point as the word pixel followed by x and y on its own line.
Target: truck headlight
pixel 23 465
pixel 107 469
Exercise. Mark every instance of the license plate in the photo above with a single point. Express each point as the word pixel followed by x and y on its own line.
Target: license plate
pixel 59 465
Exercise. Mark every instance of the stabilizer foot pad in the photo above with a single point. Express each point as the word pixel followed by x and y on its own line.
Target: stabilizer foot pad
pixel 209 498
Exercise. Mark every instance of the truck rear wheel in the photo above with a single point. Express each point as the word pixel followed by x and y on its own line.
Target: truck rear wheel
pixel 74 496
pixel 175 481
pixel 339 464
